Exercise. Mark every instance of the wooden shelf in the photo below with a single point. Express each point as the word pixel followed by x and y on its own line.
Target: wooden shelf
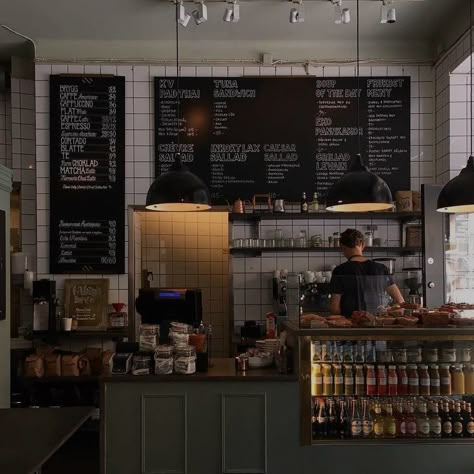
pixel 402 216
pixel 260 250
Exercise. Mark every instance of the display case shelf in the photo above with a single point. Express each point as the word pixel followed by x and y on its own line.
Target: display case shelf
pixel 256 251
pixel 401 216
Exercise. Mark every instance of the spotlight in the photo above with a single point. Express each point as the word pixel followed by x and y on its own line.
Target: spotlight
pixel 200 15
pixel 297 13
pixel 388 13
pixel 232 13
pixel 341 15
pixel 183 17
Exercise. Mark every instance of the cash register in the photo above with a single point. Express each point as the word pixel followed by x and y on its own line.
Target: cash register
pixel 162 305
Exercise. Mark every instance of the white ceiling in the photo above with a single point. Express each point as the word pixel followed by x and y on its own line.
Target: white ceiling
pixel 93 27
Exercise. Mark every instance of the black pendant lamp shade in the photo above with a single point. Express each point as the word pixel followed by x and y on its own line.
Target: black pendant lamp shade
pixel 359 190
pixel 178 190
pixel 458 194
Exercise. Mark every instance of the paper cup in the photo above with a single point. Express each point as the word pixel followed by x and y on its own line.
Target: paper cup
pixel 66 324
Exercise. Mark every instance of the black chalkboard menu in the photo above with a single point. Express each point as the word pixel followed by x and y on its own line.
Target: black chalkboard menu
pixel 283 136
pixel 87 174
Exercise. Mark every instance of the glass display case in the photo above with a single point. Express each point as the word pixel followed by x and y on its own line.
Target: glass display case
pixel 385 385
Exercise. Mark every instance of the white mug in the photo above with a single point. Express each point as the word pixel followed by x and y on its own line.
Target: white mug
pixel 66 324
pixel 309 276
pixel 319 277
pixel 328 275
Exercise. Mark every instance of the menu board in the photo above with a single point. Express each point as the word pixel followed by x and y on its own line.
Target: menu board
pixel 87 174
pixel 283 136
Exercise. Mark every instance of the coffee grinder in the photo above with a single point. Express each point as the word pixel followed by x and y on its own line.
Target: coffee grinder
pixel 414 283
pixel 44 305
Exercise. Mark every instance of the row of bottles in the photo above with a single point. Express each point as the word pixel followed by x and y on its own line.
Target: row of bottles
pixel 306 206
pixel 391 418
pixel 380 379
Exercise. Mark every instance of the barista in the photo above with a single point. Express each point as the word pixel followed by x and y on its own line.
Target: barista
pixel 360 284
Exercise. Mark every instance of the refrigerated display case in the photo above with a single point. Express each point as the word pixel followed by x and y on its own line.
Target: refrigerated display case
pixel 385 385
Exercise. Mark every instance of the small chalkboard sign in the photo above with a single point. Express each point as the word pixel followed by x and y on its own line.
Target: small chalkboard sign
pixel 86 301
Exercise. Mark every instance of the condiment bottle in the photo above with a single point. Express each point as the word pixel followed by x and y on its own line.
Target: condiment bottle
pixel 445 380
pixel 359 380
pixel 348 380
pixel 410 421
pixel 367 422
pixel 327 380
pixel 434 380
pixel 468 423
pixel 371 381
pixel 435 422
pixel 332 420
pixel 322 421
pixel 378 422
pixel 401 421
pixel 338 380
pixel 392 380
pixel 344 422
pixel 457 380
pixel 381 380
pixel 402 380
pixel 390 425
pixel 447 424
pixel 469 379
pixel 316 380
pixel 356 422
pixel 422 422
pixel 424 379
pixel 458 422
pixel 413 380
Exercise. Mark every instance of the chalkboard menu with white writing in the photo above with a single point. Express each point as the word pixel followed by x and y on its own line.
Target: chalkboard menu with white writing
pixel 87 174
pixel 283 136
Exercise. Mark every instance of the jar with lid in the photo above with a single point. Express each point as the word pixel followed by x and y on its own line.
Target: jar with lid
pixel 399 355
pixel 327 380
pixel 402 380
pixel 371 380
pixel 464 354
pixel 430 354
pixel 369 239
pixel 185 360
pixel 424 379
pixel 164 359
pixel 458 386
pixel 414 355
pixel 434 380
pixel 359 380
pixel 448 354
pixel 413 380
pixel 348 380
pixel 338 380
pixel 335 239
pixel 445 379
pixel 316 380
pixel 469 379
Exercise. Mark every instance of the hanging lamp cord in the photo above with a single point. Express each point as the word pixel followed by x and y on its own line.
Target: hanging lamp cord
pixel 178 154
pixel 358 80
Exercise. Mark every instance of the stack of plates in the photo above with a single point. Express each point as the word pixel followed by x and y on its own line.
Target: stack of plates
pixel 260 345
pixel 271 345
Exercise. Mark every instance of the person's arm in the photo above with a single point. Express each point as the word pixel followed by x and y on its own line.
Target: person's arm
pixel 335 304
pixel 395 294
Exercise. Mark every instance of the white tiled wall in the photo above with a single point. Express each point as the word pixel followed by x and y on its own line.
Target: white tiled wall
pixel 5 129
pixel 139 155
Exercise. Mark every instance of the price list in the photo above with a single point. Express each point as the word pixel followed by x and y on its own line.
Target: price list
pixel 87 169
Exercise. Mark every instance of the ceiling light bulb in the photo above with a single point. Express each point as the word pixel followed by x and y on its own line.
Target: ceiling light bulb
pixel 183 17
pixel 200 15
pixel 391 15
pixel 346 16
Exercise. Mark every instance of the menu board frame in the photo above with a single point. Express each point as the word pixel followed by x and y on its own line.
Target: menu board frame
pixel 283 135
pixel 87 174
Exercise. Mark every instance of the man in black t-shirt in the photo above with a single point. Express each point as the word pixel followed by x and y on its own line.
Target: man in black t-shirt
pixel 360 284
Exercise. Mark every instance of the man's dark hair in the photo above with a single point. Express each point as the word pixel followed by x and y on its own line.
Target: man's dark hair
pixel 351 238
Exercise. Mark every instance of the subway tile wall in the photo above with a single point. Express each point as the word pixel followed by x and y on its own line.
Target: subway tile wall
pixel 191 250
pixel 139 155
pixel 5 129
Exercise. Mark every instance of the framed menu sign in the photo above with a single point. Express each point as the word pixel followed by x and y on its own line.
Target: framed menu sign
pixel 87 174
pixel 86 300
pixel 282 135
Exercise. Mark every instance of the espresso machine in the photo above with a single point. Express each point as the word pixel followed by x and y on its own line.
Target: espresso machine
pixel 414 282
pixel 44 305
pixel 280 293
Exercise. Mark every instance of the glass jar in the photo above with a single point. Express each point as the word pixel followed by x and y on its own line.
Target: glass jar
pixel 464 354
pixel 335 239
pixel 369 239
pixel 430 354
pixel 399 356
pixel 149 337
pixel 384 357
pixel 185 360
pixel 469 378
pixel 424 379
pixel 164 359
pixel 445 379
pixel 434 380
pixel 448 354
pixel 414 355
pixel 458 386
pixel 413 380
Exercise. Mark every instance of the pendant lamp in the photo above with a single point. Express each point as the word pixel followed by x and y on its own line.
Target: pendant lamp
pixel 178 189
pixel 457 196
pixel 359 190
